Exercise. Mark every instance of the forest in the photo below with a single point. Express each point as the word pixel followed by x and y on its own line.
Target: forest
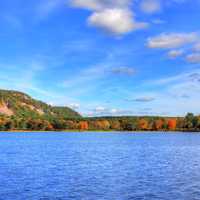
pixel 187 123
pixel 20 112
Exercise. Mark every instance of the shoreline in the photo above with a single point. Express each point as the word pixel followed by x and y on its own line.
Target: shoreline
pixel 98 131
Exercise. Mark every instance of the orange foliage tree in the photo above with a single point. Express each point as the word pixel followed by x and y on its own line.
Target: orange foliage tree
pixel 83 125
pixel 143 124
pixel 49 126
pixel 172 124
pixel 158 124
pixel 115 125
pixel 105 124
pixel 100 125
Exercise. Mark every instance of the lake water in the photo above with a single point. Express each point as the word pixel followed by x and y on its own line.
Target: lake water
pixel 99 166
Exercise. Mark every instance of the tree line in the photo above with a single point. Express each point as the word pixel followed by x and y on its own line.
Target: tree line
pixel 188 123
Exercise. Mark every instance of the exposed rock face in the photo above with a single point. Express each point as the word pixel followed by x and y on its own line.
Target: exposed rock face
pixel 39 111
pixel 4 109
pixel 18 104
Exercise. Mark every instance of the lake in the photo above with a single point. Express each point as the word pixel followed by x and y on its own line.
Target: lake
pixel 99 166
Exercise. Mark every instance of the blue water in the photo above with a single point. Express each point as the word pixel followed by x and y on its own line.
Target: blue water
pixel 99 166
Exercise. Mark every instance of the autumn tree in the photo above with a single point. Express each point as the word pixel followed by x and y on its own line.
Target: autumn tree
pixel 115 125
pixel 143 124
pixel 70 124
pixel 83 125
pixel 158 124
pixel 100 125
pixel 172 124
pixel 47 126
pixel 105 124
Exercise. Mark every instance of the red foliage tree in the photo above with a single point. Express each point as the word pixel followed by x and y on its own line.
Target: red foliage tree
pixel 83 125
pixel 172 124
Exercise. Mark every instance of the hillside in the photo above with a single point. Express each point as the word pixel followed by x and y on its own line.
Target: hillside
pixel 18 104
pixel 19 111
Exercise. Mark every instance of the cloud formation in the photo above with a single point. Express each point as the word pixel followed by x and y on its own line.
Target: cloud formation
pixel 193 58
pixel 197 47
pixel 185 77
pixel 112 16
pixel 194 77
pixel 74 105
pixel 103 111
pixel 178 45
pixel 174 53
pixel 144 99
pixel 150 6
pixel 175 88
pixel 100 4
pixel 123 71
pixel 171 40
pixel 100 109
pixel 115 21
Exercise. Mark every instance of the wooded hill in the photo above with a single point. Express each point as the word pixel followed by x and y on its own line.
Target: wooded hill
pixel 18 104
pixel 19 111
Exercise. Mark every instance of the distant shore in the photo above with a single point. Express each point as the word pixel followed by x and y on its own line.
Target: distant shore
pixel 97 131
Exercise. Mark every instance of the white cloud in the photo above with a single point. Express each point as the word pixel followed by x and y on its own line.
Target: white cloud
pixel 92 76
pixel 112 16
pixel 179 93
pixel 100 109
pixel 100 4
pixel 88 4
pixel 189 43
pixel 51 104
pixel 115 21
pixel 114 111
pixel 182 77
pixel 150 6
pixel 193 58
pixel 171 40
pixel 74 105
pixel 174 53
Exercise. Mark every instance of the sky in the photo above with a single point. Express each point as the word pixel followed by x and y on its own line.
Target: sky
pixel 104 57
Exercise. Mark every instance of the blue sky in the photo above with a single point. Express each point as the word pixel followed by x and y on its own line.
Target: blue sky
pixel 104 57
